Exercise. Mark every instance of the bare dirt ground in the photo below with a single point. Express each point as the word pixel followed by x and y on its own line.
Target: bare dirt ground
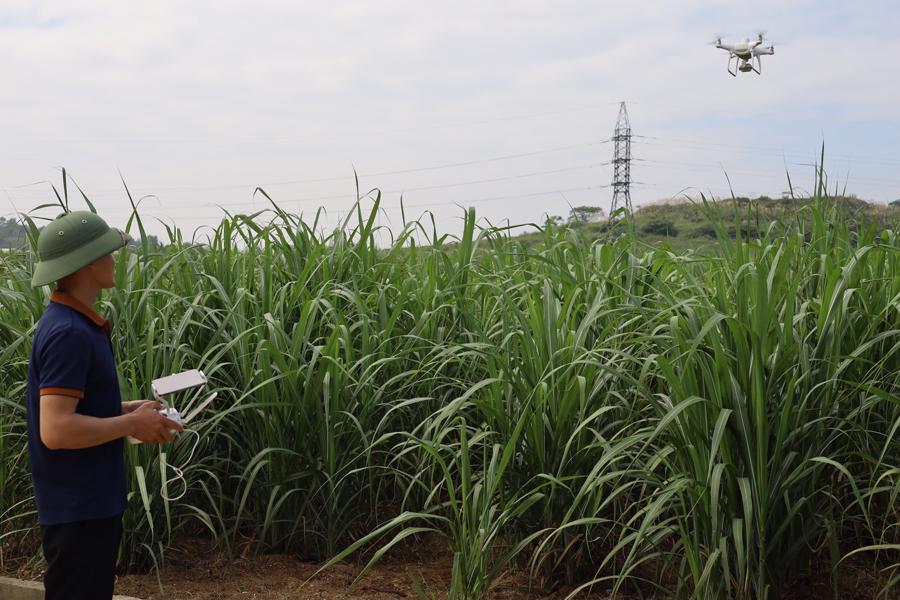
pixel 196 572
pixel 279 577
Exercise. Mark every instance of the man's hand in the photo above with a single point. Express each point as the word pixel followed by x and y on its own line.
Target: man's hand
pixel 62 428
pixel 151 427
pixel 133 405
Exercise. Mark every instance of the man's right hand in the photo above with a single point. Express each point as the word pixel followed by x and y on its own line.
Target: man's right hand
pixel 151 427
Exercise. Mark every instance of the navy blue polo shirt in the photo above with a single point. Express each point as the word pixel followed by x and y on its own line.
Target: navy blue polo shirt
pixel 72 356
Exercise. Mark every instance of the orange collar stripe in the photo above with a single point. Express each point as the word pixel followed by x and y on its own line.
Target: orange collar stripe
pixel 75 304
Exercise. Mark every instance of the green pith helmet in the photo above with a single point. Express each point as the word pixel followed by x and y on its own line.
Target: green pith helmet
pixel 72 241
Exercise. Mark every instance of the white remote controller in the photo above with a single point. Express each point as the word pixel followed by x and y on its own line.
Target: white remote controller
pixel 172 414
pixel 174 384
pixel 169 413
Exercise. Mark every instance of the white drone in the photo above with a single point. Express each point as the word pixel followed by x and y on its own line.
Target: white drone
pixel 744 52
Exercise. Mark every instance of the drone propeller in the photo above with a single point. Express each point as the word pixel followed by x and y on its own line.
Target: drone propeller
pixel 717 40
pixel 760 35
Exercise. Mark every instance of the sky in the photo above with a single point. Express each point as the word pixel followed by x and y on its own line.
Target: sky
pixel 504 106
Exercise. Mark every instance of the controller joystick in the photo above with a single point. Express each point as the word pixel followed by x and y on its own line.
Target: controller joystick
pixel 172 414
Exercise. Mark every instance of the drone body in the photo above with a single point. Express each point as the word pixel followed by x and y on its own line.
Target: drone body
pixel 744 52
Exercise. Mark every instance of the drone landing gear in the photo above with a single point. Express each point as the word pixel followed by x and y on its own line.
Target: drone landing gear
pixel 732 72
pixel 744 65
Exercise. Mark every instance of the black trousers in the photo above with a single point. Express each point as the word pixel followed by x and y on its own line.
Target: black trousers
pixel 81 559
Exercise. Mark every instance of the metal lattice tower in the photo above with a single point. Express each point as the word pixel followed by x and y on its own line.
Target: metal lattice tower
pixel 621 163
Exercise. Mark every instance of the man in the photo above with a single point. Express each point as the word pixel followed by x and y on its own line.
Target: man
pixel 76 418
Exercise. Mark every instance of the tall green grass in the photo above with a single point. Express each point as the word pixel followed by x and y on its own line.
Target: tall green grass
pixel 598 413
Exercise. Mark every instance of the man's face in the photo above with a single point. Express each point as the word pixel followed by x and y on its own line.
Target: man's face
pixel 103 270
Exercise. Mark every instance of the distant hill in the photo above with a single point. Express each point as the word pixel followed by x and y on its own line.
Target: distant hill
pixel 12 235
pixel 684 225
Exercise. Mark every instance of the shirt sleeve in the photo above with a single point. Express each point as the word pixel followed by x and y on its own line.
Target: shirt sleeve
pixel 64 361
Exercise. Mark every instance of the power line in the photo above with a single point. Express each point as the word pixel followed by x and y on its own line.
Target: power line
pixel 681 188
pixel 509 197
pixel 397 191
pixel 747 149
pixel 248 186
pixel 871 181
pixel 451 203
pixel 501 119
pixel 354 134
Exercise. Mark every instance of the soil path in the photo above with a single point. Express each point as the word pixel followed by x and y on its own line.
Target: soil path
pixel 279 577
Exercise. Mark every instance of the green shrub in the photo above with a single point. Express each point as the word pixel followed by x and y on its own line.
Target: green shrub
pixel 666 228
